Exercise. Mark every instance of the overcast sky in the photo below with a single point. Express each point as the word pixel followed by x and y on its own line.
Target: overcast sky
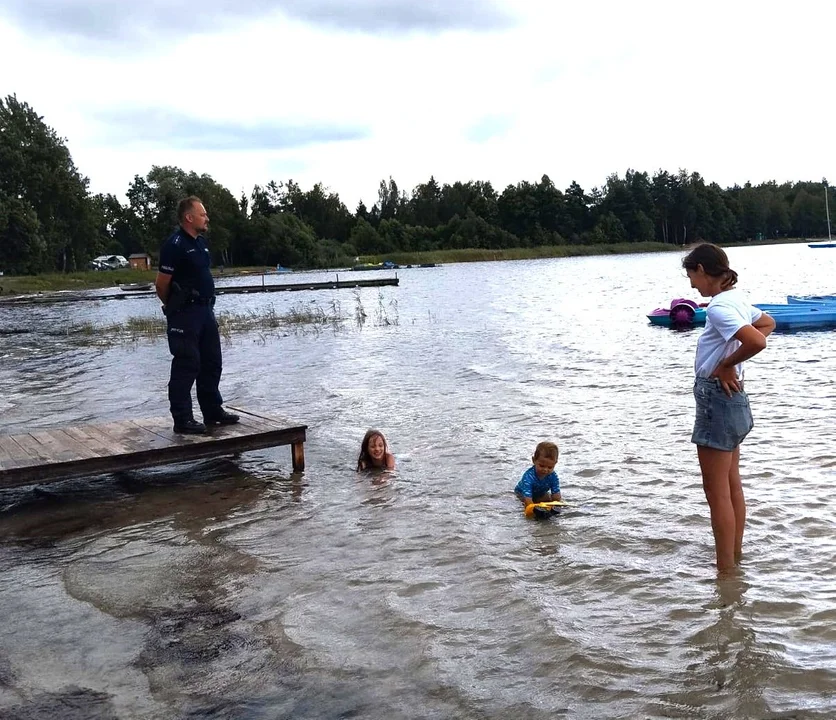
pixel 349 92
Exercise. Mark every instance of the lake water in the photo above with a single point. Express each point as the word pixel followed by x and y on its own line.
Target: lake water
pixel 236 589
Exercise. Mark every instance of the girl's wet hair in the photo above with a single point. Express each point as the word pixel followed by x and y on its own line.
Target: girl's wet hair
pixel 714 262
pixel 364 459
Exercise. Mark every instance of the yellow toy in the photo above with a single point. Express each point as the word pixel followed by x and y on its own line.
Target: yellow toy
pixel 542 509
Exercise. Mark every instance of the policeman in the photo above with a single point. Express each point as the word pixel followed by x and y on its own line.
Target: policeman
pixel 187 291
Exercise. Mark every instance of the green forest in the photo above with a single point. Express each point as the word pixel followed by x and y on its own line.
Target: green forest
pixel 50 222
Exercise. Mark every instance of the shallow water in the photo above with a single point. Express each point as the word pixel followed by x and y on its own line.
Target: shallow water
pixel 237 589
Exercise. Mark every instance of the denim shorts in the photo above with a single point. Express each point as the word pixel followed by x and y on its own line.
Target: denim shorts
pixel 722 421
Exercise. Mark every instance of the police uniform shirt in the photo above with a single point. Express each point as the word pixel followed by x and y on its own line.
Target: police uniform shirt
pixel 187 260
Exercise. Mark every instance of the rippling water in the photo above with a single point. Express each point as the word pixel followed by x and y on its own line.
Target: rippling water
pixel 236 589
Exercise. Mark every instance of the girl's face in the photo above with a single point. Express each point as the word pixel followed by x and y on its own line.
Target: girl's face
pixel 704 284
pixel 377 447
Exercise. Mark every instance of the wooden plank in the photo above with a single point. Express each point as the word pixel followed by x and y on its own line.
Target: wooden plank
pixel 6 459
pixel 164 428
pixel 62 436
pixel 94 444
pixel 255 420
pixel 117 445
pixel 249 414
pixel 256 423
pixel 58 449
pixel 20 457
pixel 133 435
pixel 33 447
pixel 58 453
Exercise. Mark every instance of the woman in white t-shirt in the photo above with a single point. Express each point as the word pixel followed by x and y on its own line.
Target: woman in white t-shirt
pixel 734 332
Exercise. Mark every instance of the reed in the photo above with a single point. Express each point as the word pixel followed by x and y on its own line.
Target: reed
pixel 299 318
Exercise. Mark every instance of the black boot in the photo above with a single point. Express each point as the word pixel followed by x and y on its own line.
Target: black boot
pixel 190 427
pixel 221 418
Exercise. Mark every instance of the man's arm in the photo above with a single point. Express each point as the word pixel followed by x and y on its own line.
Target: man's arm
pixel 163 286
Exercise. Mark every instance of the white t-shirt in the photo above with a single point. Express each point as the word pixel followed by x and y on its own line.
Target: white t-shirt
pixel 725 315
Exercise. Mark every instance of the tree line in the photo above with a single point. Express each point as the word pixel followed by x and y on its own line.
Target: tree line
pixel 50 221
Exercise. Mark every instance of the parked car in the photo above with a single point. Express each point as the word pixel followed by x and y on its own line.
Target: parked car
pixel 108 262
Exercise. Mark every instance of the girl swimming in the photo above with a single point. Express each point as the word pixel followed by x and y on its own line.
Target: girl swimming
pixel 374 453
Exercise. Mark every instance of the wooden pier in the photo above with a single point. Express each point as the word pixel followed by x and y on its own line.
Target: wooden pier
pixel 284 287
pixel 57 453
pixel 74 296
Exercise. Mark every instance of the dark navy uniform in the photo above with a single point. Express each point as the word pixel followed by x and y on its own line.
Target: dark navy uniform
pixel 192 329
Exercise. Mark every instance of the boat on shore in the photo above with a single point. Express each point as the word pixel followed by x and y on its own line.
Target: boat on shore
pixel 137 287
pixel 385 265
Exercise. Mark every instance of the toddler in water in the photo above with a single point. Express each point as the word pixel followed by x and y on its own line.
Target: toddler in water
pixel 540 482
pixel 374 454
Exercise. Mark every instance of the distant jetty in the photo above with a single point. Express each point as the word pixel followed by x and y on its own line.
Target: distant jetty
pixel 75 296
pixel 389 265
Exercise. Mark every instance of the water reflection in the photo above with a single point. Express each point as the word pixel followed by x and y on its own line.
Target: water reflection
pixel 732 667
pixel 186 496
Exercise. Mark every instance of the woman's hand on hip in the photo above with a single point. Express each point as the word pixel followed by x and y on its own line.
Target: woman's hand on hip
pixel 728 379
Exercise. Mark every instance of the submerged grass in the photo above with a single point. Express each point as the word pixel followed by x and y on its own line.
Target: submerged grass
pixel 301 318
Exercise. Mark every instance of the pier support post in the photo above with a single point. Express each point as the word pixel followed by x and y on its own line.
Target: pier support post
pixel 297 451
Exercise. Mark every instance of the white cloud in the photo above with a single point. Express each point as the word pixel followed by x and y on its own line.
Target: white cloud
pixel 115 25
pixel 736 92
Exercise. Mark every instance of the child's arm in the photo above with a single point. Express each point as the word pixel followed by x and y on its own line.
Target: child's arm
pixel 765 324
pixel 555 487
pixel 752 341
pixel 390 461
pixel 523 490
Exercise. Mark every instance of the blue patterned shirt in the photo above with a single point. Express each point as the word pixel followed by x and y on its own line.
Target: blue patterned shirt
pixel 532 486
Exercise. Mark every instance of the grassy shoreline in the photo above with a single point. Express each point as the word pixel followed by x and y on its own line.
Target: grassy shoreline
pixel 91 280
pixel 525 253
pixel 85 280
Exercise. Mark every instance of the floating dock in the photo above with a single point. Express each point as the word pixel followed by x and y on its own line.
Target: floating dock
pixel 285 287
pixel 54 454
pixel 74 296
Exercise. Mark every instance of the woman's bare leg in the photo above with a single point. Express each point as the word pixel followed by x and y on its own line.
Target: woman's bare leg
pixel 738 503
pixel 716 466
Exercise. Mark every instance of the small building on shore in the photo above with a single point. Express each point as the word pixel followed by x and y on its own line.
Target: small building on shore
pixel 140 261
